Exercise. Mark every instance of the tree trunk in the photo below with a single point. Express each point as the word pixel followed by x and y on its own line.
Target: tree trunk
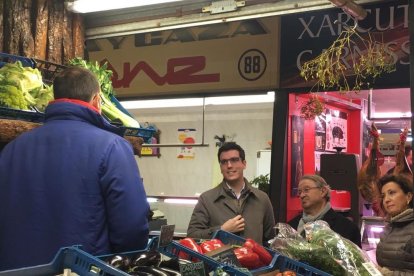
pixel 1 26
pixel 54 47
pixel 68 51
pixel 26 41
pixel 11 9
pixel 41 29
pixel 78 36
pixel 42 16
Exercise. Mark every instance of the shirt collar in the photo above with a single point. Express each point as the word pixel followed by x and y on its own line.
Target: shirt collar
pixel 233 192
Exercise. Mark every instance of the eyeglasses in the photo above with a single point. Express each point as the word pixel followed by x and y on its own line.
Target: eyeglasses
pixel 306 190
pixel 101 99
pixel 231 160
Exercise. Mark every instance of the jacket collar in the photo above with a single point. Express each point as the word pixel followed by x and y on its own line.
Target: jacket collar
pixel 330 216
pixel 76 110
pixel 79 102
pixel 407 215
pixel 224 190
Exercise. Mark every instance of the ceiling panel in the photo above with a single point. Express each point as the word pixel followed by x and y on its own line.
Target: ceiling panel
pixel 189 12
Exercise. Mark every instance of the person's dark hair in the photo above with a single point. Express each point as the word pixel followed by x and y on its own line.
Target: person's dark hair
pixel 75 83
pixel 405 182
pixel 231 146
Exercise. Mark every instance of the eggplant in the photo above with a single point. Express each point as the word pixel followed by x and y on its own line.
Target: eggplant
pixel 170 271
pixel 149 258
pixel 139 273
pixel 148 269
pixel 120 262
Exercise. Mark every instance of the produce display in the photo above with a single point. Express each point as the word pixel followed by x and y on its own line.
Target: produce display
pixel 323 248
pixel 24 96
pixel 23 88
pixel 162 259
pixel 109 109
pixel 250 255
pixel 145 264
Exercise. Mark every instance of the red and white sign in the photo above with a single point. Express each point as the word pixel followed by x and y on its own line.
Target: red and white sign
pixel 234 56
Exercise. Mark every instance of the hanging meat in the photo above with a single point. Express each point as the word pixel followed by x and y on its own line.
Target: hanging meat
pixel 370 173
pixel 401 164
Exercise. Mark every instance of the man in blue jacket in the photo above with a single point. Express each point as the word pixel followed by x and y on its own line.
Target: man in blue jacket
pixel 72 181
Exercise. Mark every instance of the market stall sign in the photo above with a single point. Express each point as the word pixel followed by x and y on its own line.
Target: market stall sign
pixel 166 235
pixel 234 56
pixel 192 269
pixel 306 35
pixel 225 255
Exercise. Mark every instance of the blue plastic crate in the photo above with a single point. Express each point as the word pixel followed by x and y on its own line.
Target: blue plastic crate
pixel 77 261
pixel 25 115
pixel 73 258
pixel 279 261
pixel 145 133
pixel 119 106
pixel 152 243
pixel 48 69
pixel 7 58
pixel 174 249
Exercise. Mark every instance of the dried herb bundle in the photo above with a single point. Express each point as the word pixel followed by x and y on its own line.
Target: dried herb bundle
pixel 331 68
pixel 311 108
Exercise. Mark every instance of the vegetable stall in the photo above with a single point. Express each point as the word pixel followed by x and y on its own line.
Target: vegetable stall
pixel 25 93
pixel 176 257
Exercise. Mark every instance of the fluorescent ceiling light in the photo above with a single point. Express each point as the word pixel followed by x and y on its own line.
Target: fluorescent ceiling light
pixel 86 6
pixel 151 199
pixel 377 229
pixel 268 98
pixel 186 102
pixel 384 122
pixel 162 103
pixel 379 115
pixel 181 201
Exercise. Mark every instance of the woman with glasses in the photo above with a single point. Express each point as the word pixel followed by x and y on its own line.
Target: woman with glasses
pixel 314 194
pixel 234 205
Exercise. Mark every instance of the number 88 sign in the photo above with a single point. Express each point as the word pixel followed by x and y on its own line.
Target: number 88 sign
pixel 252 65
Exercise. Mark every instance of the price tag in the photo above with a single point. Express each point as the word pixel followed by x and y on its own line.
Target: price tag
pixel 192 269
pixel 166 235
pixel 224 255
pixel 146 151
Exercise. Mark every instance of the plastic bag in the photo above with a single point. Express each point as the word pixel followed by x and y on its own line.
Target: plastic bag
pixel 346 253
pixel 323 249
pixel 290 243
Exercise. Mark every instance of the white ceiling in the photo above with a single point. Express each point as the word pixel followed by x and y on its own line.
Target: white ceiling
pixel 387 101
pixel 177 14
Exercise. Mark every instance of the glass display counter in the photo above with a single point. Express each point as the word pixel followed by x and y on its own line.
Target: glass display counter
pixel 371 230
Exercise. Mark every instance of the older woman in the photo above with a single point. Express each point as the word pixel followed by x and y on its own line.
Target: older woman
pixel 395 251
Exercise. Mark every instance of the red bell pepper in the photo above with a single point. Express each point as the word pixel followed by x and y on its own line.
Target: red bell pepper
pixel 211 245
pixel 190 243
pixel 247 258
pixel 264 255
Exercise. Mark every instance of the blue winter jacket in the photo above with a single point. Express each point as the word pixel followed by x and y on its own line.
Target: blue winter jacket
pixel 69 182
